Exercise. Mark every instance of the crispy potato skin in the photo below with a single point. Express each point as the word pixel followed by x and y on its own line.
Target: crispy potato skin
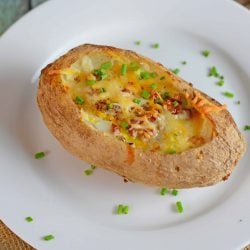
pixel 197 167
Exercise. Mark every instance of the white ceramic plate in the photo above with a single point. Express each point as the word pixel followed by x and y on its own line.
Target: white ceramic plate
pixel 79 210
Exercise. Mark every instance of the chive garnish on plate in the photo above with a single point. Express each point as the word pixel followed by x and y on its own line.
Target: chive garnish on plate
pixel 49 237
pixel 164 191
pixel 174 192
pixel 205 53
pixel 228 94
pixel 176 71
pixel 122 209
pixel 220 83
pixel 179 206
pixel 155 45
pixel 39 155
pixel 247 127
pixel 29 219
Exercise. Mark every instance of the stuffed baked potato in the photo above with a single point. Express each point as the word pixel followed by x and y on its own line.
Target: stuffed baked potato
pixel 128 114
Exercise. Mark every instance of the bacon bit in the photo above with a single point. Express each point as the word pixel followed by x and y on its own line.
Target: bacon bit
pixel 131 155
pixel 152 115
pixel 171 108
pixel 142 133
pixel 54 72
pixel 225 177
pixel 126 90
pixel 115 129
pixel 155 95
pixel 138 120
pixel 178 98
pixel 101 105
pixel 77 78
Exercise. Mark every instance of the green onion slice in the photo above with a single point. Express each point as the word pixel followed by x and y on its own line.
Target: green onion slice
pixel 39 155
pixel 179 206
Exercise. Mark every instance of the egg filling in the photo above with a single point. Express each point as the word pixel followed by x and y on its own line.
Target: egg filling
pixel 137 103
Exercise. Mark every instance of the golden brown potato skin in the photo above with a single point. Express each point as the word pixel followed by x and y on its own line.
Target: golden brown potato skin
pixel 197 167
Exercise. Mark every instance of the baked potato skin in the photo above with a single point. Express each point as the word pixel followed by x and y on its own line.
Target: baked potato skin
pixel 202 166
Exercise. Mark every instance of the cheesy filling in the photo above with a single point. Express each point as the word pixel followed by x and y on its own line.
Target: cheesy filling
pixel 136 103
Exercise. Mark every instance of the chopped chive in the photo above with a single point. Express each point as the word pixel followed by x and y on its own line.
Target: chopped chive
pixel 93 166
pixel 153 74
pixel 174 192
pixel 137 101
pixel 29 219
pixel 155 45
pixel 124 125
pixel 134 66
pixel 125 209
pixel 49 237
pixel 88 172
pixel 106 65
pixel 122 209
pixel 205 53
pixel 247 127
pixel 171 152
pixel 162 78
pixel 164 191
pixel 79 100
pixel 101 74
pixel 228 94
pixel 110 105
pixel 102 90
pixel 145 94
pixel 176 71
pixel 238 102
pixel 179 206
pixel 175 103
pixel 165 95
pixel 144 75
pixel 119 209
pixel 221 77
pixel 213 72
pixel 123 69
pixel 184 62
pixel 90 82
pixel 39 155
pixel 220 83
pixel 137 42
pixel 153 86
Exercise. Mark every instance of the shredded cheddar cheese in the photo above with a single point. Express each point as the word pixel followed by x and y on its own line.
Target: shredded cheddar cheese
pixel 203 105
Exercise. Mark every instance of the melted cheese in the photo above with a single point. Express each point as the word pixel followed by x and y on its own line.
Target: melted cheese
pixel 116 104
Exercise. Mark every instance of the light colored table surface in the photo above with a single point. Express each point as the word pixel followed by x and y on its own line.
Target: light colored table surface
pixel 10 11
